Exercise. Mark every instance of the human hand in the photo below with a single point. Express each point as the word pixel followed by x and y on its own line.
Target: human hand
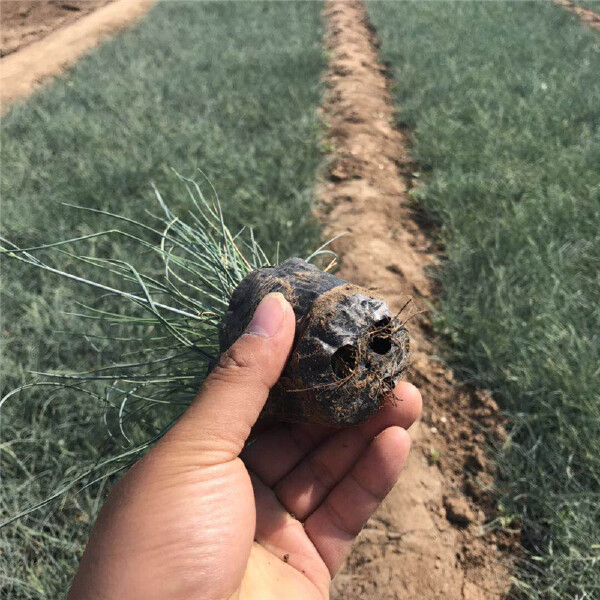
pixel 201 517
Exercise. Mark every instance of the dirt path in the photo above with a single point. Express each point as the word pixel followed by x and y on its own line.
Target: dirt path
pixel 589 17
pixel 428 540
pixel 25 21
pixel 30 64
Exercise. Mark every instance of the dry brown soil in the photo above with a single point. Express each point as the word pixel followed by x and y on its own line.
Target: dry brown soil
pixel 589 17
pixel 431 538
pixel 26 21
pixel 40 38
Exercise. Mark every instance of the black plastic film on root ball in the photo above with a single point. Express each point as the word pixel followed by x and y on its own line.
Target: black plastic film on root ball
pixel 349 351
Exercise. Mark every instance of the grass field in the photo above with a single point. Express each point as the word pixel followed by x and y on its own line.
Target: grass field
pixel 504 103
pixel 231 89
pixel 589 4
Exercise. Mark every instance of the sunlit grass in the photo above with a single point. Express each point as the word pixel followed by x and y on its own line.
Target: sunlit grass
pixel 229 88
pixel 503 100
pixel 589 4
pixel 172 318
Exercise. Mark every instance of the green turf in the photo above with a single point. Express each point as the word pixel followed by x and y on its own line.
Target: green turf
pixel 503 100
pixel 589 4
pixel 228 88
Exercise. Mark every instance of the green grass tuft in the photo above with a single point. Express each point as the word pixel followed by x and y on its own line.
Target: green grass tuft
pixel 171 319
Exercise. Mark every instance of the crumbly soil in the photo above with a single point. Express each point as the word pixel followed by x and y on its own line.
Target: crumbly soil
pixel 41 38
pixel 589 17
pixel 26 21
pixel 431 538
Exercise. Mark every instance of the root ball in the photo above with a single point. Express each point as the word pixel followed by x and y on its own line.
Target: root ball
pixel 349 350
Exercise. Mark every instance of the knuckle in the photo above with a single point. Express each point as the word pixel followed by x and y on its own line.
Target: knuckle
pixel 303 441
pixel 235 364
pixel 346 526
pixel 373 495
pixel 321 472
pixel 236 358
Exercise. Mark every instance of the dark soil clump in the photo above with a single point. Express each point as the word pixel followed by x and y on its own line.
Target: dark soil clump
pixel 349 351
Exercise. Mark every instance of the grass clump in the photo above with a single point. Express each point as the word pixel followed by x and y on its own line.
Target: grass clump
pixel 504 103
pixel 231 88
pixel 171 320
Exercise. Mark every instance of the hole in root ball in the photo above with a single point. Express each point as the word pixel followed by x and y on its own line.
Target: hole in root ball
pixel 343 361
pixel 381 337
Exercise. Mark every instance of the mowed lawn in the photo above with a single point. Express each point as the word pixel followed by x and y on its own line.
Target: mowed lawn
pixel 503 100
pixel 231 89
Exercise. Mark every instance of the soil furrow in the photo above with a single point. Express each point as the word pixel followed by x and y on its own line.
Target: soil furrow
pixel 430 538
pixel 589 17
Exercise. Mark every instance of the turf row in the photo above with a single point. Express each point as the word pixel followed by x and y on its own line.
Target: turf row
pixel 229 88
pixel 504 103
pixel 589 4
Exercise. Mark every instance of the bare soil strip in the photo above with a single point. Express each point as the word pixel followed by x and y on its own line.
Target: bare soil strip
pixel 428 540
pixel 25 21
pixel 589 17
pixel 24 70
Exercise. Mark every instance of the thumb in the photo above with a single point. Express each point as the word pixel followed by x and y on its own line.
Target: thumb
pixel 218 422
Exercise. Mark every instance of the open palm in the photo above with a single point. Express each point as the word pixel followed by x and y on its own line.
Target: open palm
pixel 314 490
pixel 207 516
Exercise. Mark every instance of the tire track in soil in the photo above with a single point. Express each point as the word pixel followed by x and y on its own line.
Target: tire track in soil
pixel 427 540
pixel 589 17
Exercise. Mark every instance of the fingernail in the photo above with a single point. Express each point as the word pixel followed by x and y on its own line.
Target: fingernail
pixel 268 316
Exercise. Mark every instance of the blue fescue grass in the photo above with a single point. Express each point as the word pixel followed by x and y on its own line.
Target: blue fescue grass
pixel 230 88
pixel 503 100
